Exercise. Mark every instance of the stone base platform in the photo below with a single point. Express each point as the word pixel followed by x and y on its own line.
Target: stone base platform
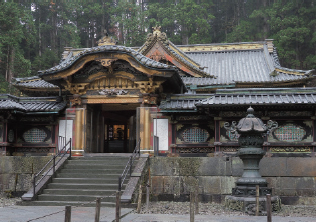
pixel 248 204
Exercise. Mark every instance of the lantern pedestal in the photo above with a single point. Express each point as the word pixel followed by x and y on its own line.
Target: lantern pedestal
pixel 248 204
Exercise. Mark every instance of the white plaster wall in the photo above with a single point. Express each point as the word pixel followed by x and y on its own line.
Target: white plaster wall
pixel 161 130
pixel 65 129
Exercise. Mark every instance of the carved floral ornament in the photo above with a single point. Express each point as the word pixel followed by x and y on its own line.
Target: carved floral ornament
pixel 112 92
pixel 150 100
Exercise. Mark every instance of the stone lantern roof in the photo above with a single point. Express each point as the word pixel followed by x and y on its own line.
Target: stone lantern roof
pixel 251 123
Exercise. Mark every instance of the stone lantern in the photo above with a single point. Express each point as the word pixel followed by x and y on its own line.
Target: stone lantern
pixel 251 131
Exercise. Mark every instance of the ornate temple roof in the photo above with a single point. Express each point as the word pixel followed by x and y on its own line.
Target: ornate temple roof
pixel 70 60
pixel 235 65
pixel 31 104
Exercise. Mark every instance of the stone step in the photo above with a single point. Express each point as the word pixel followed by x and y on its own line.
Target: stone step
pixel 102 157
pixel 99 193
pixel 95 166
pixel 83 186
pixel 92 171
pixel 81 198
pixel 66 203
pixel 87 175
pixel 82 180
pixel 104 162
pixel 85 180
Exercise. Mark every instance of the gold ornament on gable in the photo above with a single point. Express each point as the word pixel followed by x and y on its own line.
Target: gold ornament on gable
pixel 147 87
pixel 106 40
pixel 76 88
pixel 106 62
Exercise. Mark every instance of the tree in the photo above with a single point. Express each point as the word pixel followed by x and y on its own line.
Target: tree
pixel 293 26
pixel 15 26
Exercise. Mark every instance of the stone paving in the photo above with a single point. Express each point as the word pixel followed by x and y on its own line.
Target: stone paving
pixel 86 214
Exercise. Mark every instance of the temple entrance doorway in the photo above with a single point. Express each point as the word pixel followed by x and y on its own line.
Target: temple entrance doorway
pixel 119 131
pixel 119 127
pixel 111 128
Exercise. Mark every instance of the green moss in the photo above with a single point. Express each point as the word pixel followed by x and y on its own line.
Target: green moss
pixel 189 166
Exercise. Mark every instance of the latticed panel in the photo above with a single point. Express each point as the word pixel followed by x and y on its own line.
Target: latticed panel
pixel 290 133
pixel 195 135
pixel 34 135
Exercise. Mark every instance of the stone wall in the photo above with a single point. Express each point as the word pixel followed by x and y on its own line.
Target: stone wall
pixel 172 178
pixel 19 169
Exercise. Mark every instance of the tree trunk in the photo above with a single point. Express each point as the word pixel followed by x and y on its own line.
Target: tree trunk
pixel 265 22
pixel 121 35
pixel 102 22
pixel 10 64
pixel 39 36
pixel 184 36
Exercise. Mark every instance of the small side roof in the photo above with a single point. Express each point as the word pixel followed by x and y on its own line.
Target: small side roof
pixel 264 96
pixel 29 105
pixel 240 97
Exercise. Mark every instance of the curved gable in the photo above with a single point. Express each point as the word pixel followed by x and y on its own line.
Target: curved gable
pixel 159 48
pixel 105 64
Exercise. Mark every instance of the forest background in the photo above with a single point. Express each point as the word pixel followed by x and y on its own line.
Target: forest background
pixel 33 35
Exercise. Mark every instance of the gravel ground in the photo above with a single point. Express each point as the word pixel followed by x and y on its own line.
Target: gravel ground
pixel 4 201
pixel 164 207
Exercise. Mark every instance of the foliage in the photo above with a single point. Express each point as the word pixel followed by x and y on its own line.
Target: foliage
pixel 33 35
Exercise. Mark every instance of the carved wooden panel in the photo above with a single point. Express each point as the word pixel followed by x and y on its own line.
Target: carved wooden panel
pixel 112 100
pixel 111 83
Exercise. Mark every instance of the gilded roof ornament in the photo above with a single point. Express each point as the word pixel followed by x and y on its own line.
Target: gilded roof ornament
pixel 106 40
pixel 157 30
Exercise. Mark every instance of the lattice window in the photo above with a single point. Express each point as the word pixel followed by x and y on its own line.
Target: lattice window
pixel 34 135
pixel 195 135
pixel 232 136
pixel 290 132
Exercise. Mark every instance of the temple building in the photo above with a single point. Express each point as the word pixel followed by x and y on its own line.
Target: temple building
pixel 175 100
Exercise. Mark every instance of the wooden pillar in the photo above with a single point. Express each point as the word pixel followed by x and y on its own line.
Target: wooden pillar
pixel 146 129
pixel 79 132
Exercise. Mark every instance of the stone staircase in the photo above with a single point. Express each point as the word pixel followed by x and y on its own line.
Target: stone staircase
pixel 81 180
